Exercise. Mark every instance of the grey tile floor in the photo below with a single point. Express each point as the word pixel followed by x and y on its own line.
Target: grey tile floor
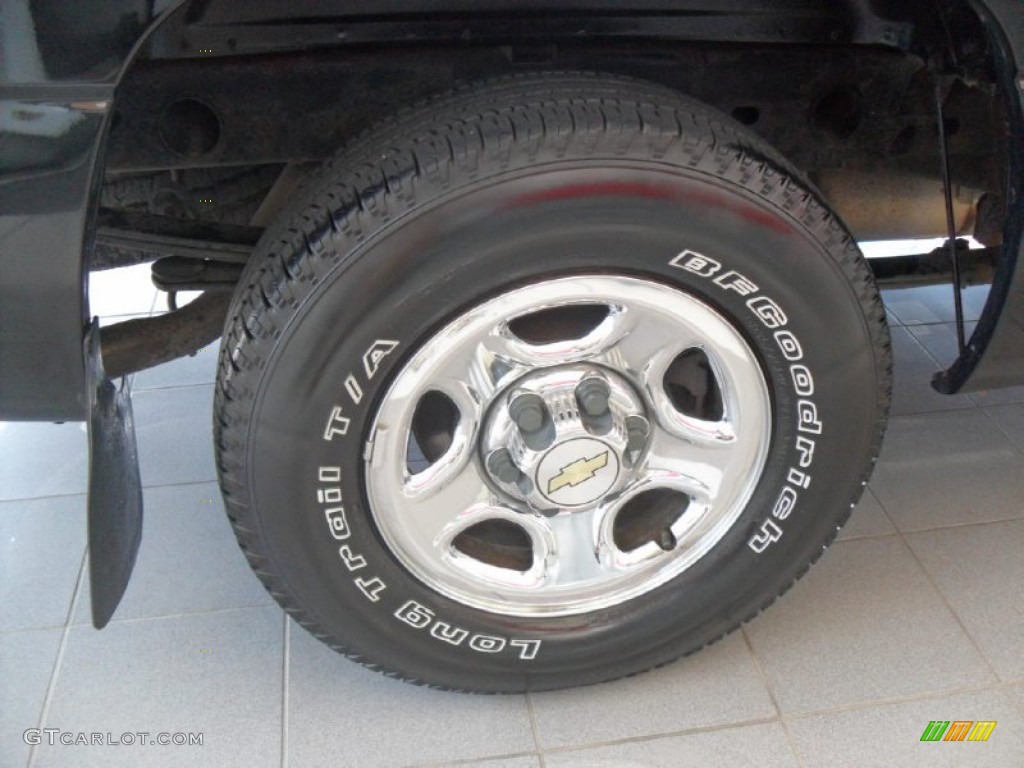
pixel 916 614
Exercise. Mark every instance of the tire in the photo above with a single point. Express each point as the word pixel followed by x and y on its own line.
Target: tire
pixel 429 394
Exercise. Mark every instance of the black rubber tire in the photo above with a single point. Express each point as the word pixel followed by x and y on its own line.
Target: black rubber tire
pixel 493 187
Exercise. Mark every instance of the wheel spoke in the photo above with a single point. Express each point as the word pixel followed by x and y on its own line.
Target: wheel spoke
pixel 477 370
pixel 467 399
pixel 505 346
pixel 684 425
pixel 644 342
pixel 696 467
pixel 441 501
pixel 437 498
pixel 477 566
pixel 579 552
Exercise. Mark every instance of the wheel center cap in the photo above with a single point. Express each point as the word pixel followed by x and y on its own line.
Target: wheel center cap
pixel 577 472
pixel 563 438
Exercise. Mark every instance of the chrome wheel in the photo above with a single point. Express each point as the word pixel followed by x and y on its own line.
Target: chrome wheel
pixel 568 446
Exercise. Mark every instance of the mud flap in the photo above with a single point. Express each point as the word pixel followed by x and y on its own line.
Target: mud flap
pixel 115 488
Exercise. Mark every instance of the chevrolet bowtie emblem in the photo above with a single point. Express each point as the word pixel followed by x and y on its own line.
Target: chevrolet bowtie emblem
pixel 578 472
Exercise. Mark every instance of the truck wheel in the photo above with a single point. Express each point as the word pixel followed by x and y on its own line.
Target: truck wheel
pixel 549 381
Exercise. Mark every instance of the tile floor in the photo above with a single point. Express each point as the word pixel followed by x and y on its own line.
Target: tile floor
pixel 916 614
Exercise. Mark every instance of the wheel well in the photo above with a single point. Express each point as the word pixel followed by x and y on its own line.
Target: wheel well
pixel 227 105
pixel 844 90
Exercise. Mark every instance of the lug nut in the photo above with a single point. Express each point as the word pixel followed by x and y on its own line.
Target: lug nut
pixel 592 396
pixel 527 411
pixel 501 466
pixel 637 430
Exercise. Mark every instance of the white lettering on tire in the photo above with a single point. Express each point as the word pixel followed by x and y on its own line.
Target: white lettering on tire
pixel 380 349
pixel 418 616
pixel 773 317
pixel 329 493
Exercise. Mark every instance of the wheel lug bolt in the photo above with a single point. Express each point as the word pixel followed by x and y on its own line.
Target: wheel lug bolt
pixel 527 411
pixel 501 466
pixel 592 396
pixel 637 431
